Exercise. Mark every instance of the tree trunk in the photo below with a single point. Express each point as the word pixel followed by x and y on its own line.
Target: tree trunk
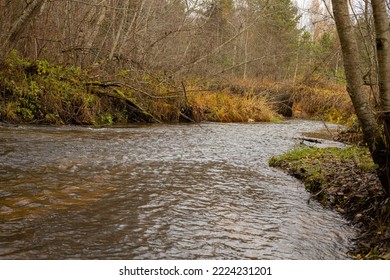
pixel 94 30
pixel 28 14
pixel 120 29
pixel 352 71
pixel 371 132
pixel 382 33
pixel 132 28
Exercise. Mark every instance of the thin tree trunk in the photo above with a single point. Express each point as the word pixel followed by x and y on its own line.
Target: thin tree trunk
pixel 120 29
pixel 246 54
pixel 28 14
pixel 95 29
pixel 296 66
pixel 131 29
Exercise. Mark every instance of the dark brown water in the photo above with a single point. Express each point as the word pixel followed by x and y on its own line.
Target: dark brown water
pixel 159 192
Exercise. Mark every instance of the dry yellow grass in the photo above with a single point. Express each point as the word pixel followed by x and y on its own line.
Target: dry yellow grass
pixel 228 107
pixel 321 99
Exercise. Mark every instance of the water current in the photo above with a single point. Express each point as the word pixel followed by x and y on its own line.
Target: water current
pixel 160 192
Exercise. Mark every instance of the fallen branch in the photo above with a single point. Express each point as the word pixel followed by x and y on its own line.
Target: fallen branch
pixel 119 84
pixel 315 195
pixel 312 140
pixel 186 117
pixel 146 116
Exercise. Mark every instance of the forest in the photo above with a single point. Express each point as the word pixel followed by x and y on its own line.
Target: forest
pixel 172 61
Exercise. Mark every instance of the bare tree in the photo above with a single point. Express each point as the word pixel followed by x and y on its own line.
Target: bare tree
pixel 197 37
pixel 29 12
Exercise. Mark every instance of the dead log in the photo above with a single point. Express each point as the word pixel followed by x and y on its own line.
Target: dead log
pixel 141 113
pixel 311 140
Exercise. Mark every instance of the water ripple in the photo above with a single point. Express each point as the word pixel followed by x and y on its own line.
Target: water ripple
pixel 159 192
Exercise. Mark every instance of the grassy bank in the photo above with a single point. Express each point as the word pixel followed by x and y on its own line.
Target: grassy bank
pixel 321 100
pixel 345 180
pixel 313 98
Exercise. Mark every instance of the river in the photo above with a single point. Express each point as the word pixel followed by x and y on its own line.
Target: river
pixel 160 192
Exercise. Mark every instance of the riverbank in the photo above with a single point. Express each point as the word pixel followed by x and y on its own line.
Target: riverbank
pixel 345 180
pixel 38 92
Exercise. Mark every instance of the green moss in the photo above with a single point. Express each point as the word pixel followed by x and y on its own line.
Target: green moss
pixel 307 164
pixel 302 155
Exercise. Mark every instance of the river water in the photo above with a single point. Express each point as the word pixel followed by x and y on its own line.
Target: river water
pixel 160 192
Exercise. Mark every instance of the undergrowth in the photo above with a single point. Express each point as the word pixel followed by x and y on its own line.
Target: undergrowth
pixel 322 100
pixel 38 92
pixel 314 98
